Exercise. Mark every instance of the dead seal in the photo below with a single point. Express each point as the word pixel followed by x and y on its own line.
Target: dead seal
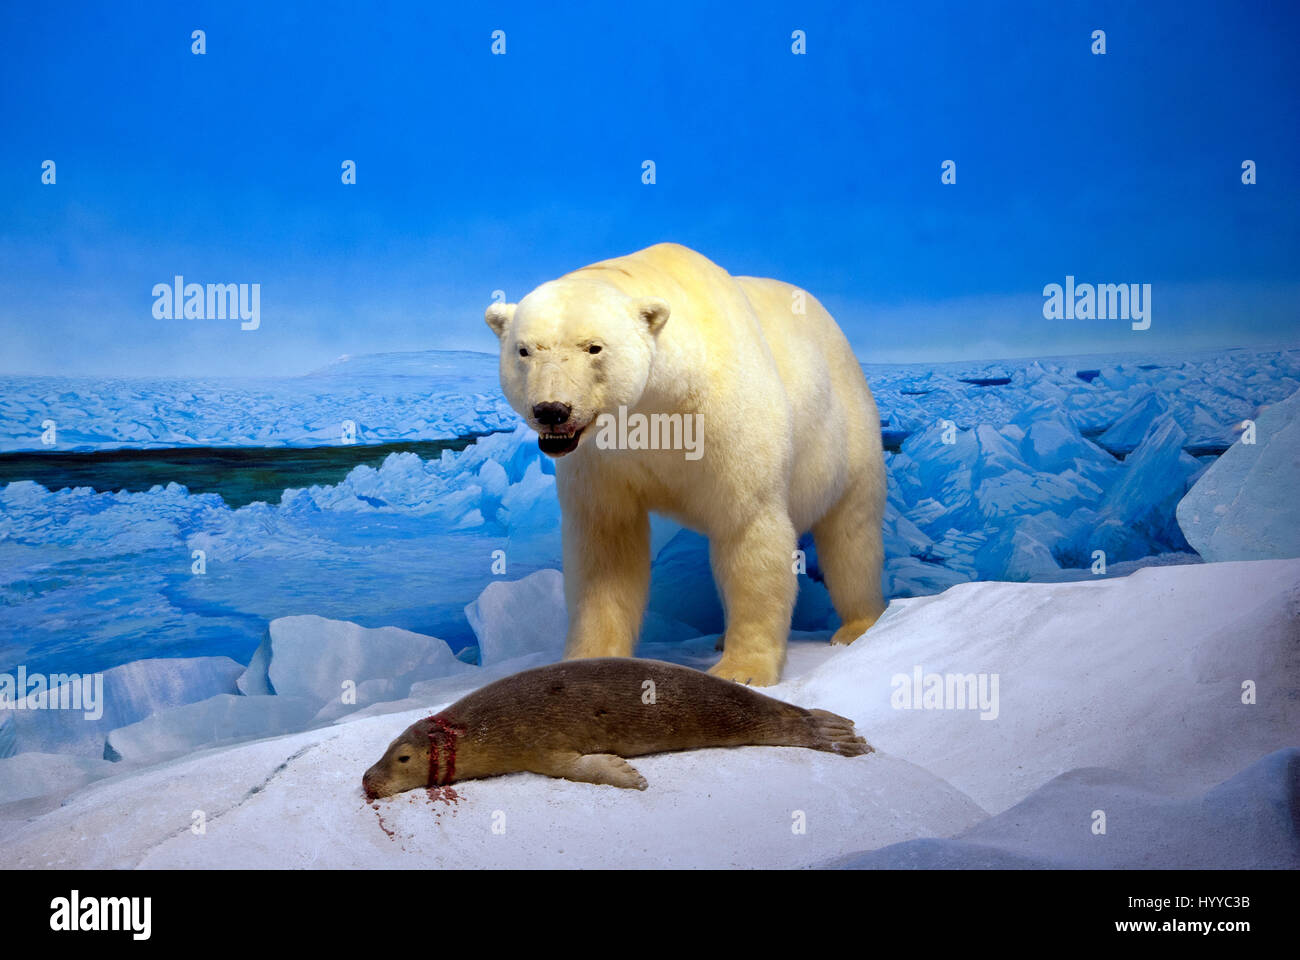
pixel 579 719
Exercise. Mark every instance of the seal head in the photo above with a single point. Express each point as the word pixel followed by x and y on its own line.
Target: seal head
pixel 423 756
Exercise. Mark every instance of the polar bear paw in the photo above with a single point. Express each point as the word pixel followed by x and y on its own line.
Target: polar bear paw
pixel 853 630
pixel 751 671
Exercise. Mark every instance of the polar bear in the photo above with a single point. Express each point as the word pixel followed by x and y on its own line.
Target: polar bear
pixel 790 442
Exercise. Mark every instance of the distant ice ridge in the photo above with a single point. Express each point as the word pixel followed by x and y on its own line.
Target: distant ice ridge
pixel 1023 491
pixel 1208 392
pixel 436 395
pixel 430 395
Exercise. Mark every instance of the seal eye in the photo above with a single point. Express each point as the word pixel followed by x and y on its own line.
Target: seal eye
pixel 403 759
pixel 594 348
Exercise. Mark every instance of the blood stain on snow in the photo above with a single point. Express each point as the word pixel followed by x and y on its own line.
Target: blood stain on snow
pixel 449 797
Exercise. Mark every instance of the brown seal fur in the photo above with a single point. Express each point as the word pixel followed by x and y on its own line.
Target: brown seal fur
pixel 578 719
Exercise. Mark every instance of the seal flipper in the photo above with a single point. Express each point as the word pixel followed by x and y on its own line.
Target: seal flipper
pixel 603 768
pixel 835 734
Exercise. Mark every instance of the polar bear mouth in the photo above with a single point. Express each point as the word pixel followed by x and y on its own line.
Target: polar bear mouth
pixel 556 443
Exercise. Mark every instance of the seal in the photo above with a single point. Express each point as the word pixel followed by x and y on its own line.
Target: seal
pixel 580 719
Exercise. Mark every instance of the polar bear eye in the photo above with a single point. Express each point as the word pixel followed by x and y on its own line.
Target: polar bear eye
pixel 523 351
pixel 594 348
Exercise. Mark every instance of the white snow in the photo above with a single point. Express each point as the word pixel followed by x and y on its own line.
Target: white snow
pixel 1243 824
pixel 33 774
pixel 1141 676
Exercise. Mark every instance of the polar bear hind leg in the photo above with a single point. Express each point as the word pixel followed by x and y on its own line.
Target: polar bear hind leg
pixel 850 551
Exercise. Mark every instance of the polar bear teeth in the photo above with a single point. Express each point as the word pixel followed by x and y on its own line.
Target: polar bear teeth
pixel 558 444
pixel 563 435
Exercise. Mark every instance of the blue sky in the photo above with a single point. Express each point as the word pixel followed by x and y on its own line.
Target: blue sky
pixel 478 172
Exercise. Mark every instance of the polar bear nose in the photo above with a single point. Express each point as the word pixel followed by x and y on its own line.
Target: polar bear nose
pixel 551 414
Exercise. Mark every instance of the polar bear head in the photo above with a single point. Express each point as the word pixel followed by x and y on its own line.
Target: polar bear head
pixel 572 350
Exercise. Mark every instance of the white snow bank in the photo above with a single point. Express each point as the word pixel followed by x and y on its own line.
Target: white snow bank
pixel 132 692
pixel 1245 507
pixel 43 774
pixel 323 660
pixel 516 618
pixel 1248 822
pixel 296 802
pixel 1143 675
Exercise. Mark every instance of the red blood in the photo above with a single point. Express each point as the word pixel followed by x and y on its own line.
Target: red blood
pixel 447 795
pixel 442 737
pixel 392 834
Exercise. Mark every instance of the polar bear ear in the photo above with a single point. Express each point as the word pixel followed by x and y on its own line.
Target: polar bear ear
pixel 654 312
pixel 498 316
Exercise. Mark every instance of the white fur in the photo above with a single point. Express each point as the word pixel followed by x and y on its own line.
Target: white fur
pixel 791 442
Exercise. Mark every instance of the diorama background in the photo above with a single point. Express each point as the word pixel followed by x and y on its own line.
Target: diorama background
pixel 214 517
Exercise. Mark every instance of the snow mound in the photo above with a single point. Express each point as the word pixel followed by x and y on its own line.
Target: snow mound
pixel 1143 675
pixel 48 774
pixel 256 798
pixel 1251 821
pixel 1244 507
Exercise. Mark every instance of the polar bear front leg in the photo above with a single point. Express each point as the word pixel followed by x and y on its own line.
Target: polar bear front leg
pixel 753 569
pixel 606 577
